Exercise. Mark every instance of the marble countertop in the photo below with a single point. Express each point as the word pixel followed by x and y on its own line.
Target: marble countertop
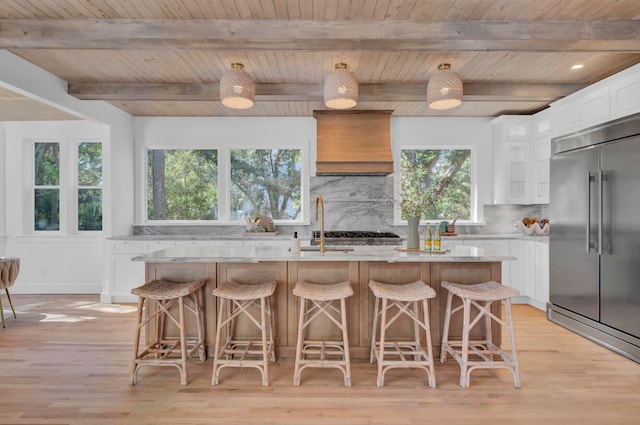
pixel 256 254
pixel 281 237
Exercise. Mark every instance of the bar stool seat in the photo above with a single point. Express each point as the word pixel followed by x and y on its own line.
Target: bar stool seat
pixel 237 299
pixel 391 354
pixel 485 354
pixel 163 350
pixel 322 353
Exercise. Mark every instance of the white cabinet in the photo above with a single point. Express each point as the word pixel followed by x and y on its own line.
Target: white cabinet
pixel 159 245
pixel 541 297
pixel 528 273
pixel 536 272
pixel 518 270
pixel 541 134
pixel 581 111
pixel 282 242
pixel 123 274
pixel 540 170
pixel 625 96
pixel 495 247
pixel 512 166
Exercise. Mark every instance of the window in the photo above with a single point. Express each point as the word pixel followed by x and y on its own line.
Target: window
pixel 89 186
pixel 46 186
pixel 436 184
pixel 67 186
pixel 182 184
pixel 265 182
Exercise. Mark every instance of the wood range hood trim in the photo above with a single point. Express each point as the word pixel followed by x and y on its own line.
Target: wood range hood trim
pixel 353 143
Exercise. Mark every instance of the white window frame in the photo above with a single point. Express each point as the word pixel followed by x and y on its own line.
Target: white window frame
pixel 77 187
pixel 304 182
pixel 146 219
pixel 474 180
pixel 224 181
pixel 68 213
pixel 62 183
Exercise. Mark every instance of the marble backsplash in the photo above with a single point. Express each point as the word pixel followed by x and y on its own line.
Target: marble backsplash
pixel 366 203
pixel 360 203
pixel 355 202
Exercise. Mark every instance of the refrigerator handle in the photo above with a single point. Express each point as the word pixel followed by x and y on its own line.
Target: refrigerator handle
pixel 601 178
pixel 590 178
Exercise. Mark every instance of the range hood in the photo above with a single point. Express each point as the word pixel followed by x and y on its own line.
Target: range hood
pixel 353 143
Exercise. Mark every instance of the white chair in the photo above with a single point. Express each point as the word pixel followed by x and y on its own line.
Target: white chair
pixel 236 299
pixel 317 300
pixel 484 353
pixel 9 269
pixel 390 353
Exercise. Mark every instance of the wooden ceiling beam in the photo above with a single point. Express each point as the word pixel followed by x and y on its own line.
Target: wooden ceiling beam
pixel 269 35
pixel 474 91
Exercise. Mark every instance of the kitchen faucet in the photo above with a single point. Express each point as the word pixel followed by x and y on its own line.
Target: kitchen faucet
pixel 320 201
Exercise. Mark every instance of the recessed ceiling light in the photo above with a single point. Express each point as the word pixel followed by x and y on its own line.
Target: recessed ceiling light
pixel 577 66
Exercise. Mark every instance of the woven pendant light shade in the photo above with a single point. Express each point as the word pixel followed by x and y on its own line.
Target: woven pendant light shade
pixel 444 90
pixel 340 89
pixel 237 90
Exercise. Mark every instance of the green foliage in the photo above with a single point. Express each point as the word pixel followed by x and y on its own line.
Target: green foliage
pixel 47 164
pixel 435 184
pixel 188 184
pixel 47 209
pixel 89 164
pixel 266 182
pixel 89 174
pixel 46 156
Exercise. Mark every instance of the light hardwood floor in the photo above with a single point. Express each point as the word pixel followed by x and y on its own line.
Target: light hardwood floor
pixel 65 360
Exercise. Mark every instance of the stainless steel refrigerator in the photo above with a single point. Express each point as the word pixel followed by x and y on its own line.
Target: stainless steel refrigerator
pixel 594 242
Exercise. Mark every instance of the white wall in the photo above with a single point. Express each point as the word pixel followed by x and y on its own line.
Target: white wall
pixel 62 263
pixel 23 77
pixel 76 264
pixel 195 132
pixel 3 201
pixel 474 133
pixel 223 132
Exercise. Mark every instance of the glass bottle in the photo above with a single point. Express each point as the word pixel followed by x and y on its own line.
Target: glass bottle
pixel 427 239
pixel 436 240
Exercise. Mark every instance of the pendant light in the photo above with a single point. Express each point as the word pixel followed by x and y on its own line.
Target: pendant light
pixel 340 89
pixel 237 90
pixel 444 90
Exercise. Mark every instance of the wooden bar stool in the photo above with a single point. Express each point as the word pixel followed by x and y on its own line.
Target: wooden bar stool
pixel 9 269
pixel 164 350
pixel 404 354
pixel 322 353
pixel 237 299
pixel 484 352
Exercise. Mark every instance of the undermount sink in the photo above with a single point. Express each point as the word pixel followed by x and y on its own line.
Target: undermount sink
pixel 316 248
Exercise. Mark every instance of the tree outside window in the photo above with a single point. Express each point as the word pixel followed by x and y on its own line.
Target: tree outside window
pixel 89 186
pixel 182 184
pixel 435 184
pixel 46 190
pixel 265 182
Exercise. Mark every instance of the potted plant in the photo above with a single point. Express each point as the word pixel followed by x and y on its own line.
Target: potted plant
pixel 413 204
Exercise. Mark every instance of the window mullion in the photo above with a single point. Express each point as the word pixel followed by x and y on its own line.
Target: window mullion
pixel 224 183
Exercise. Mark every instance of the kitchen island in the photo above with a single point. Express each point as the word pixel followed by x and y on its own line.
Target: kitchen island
pixel 255 264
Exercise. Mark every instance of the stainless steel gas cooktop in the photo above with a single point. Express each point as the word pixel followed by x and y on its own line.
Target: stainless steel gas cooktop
pixel 356 237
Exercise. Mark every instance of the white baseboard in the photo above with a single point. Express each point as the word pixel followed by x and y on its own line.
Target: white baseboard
pixel 106 298
pixel 55 288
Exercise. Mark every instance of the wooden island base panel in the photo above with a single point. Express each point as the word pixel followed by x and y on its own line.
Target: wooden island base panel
pixel 466 265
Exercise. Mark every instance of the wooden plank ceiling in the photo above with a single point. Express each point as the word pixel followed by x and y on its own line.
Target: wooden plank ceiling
pixel 166 57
